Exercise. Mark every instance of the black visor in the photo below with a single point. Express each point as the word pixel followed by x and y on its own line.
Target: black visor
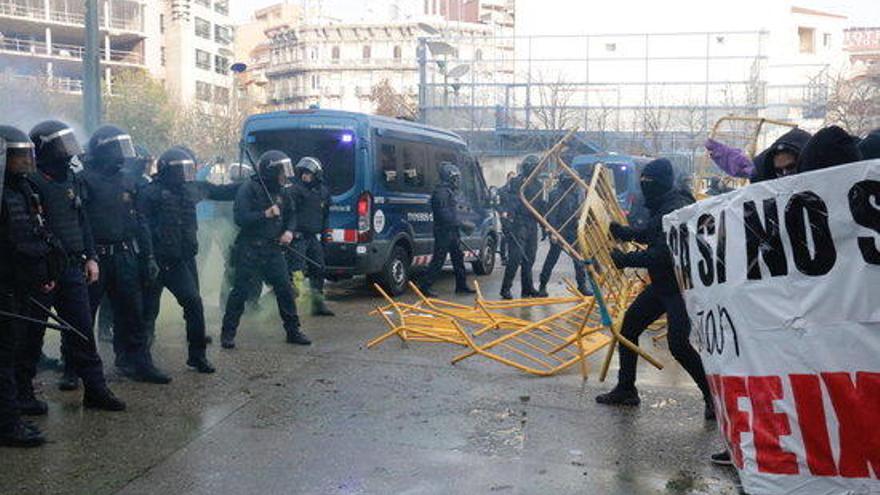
pixel 20 158
pixel 61 145
pixel 188 166
pixel 119 147
pixel 284 164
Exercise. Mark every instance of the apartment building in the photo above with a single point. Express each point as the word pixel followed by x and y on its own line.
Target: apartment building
pixel 197 50
pixel 43 41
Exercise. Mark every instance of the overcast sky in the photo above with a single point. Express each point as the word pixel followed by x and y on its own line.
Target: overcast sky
pixel 860 12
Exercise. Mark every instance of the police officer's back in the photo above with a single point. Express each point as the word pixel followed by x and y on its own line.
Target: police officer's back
pixel 447 204
pixel 522 228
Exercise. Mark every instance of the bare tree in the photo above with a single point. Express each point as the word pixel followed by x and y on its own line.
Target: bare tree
pixel 854 104
pixel 392 103
pixel 555 101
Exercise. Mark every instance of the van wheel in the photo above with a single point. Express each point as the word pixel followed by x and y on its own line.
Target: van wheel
pixel 485 265
pixel 395 274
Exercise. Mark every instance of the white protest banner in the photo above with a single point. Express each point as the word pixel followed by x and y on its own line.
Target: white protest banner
pixel 782 284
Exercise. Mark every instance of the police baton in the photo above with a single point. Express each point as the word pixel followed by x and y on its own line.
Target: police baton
pixel 521 249
pixel 12 316
pixel 67 326
pixel 303 256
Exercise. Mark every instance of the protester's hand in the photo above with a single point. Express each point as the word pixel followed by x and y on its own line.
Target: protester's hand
pixel 617 230
pixel 92 272
pixel 48 287
pixel 152 270
pixel 618 257
pixel 272 212
pixel 286 238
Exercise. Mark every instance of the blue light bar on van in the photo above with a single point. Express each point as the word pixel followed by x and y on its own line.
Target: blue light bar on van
pixel 346 138
pixel 623 168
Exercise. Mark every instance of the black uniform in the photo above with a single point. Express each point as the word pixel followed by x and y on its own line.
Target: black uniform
pixel 257 255
pixel 170 213
pixel 311 210
pixel 63 205
pixel 662 295
pixel 446 202
pixel 522 229
pixel 30 258
pixel 124 247
pixel 563 216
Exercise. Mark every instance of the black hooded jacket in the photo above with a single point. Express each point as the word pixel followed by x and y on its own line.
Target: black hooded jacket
pixel 656 257
pixel 870 146
pixel 793 140
pixel 830 146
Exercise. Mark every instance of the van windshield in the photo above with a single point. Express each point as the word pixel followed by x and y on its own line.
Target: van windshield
pixel 333 147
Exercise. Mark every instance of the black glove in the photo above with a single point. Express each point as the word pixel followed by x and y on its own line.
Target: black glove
pixel 468 227
pixel 619 258
pixel 618 231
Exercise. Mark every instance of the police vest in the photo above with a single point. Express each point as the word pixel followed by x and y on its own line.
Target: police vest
pixel 172 218
pixel 310 205
pixel 62 205
pixel 110 206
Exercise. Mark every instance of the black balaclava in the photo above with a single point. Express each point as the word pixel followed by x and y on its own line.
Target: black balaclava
pixel 829 147
pixel 55 146
pixel 658 178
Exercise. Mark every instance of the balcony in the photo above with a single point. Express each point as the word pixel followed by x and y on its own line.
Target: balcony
pixel 57 84
pixel 77 19
pixel 282 67
pixel 65 52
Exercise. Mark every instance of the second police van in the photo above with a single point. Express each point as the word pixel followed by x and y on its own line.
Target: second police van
pixel 381 173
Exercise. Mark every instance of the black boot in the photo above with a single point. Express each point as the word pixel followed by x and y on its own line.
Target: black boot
pixel 619 396
pixel 319 307
pixel 506 295
pixel 102 398
pixel 68 381
pixel 199 362
pixel 542 290
pixel 22 435
pixel 28 404
pixel 426 290
pixel 529 292
pixel 297 337
pixel 464 289
pixel 227 339
pixel 148 373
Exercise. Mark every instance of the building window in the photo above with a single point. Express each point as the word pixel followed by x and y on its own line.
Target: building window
pixel 221 95
pixel 221 7
pixel 204 3
pixel 162 56
pixel 316 81
pixel 313 53
pixel 203 91
pixel 826 40
pixel 335 53
pixel 203 59
pixel 222 34
pixel 161 23
pixel 478 55
pixel 367 52
pixel 221 65
pixel 807 41
pixel 398 53
pixel 203 28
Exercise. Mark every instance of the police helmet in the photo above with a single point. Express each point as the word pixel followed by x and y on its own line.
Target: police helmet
pixel 176 166
pixel 19 151
pixel 54 142
pixel 309 164
pixel 109 148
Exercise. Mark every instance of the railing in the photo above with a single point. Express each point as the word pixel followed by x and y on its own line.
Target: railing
pixel 12 9
pixel 59 84
pixel 61 50
pixel 276 67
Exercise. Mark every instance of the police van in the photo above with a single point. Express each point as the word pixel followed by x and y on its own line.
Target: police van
pixel 381 173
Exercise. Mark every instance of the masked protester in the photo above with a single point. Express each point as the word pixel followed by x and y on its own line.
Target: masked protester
pixel 781 158
pixel 311 205
pixel 829 147
pixel 447 203
pixel 168 205
pixel 267 225
pixel 124 247
pixel 567 200
pixel 62 198
pixel 661 296
pixel 521 227
pixel 31 261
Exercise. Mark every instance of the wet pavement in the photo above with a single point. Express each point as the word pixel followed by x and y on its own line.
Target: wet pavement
pixel 337 418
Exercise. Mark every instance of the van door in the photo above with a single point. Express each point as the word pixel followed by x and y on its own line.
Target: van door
pixel 474 210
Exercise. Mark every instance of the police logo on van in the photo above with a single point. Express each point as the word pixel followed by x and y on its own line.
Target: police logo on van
pixel 379 221
pixel 420 217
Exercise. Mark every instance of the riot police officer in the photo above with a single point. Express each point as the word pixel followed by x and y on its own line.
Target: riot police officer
pixel 61 193
pixel 236 173
pixel 446 204
pixel 263 213
pixel 521 227
pixel 124 247
pixel 567 200
pixel 168 205
pixel 30 263
pixel 311 205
